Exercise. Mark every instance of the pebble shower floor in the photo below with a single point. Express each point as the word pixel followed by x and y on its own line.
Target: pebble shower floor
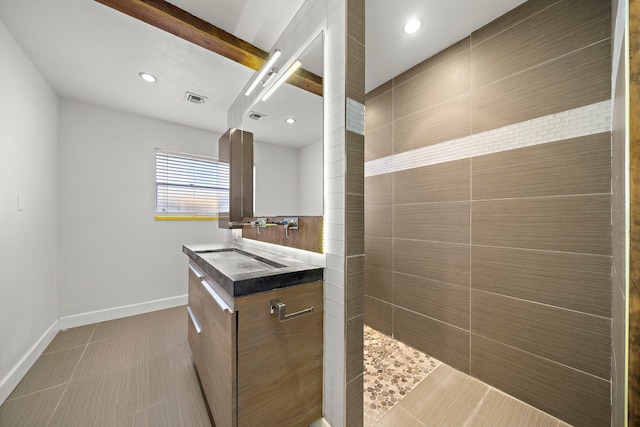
pixel 391 370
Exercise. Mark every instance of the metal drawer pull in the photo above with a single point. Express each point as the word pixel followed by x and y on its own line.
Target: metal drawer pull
pixel 217 298
pixel 282 308
pixel 194 320
pixel 196 272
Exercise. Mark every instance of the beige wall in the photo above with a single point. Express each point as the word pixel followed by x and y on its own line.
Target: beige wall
pixel 488 207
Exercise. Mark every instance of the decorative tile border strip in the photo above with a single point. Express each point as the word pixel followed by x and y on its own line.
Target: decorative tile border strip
pixel 587 120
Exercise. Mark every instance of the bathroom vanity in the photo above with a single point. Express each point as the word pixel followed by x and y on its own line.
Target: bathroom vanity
pixel 255 331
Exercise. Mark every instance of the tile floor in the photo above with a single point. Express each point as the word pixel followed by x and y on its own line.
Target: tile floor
pixel 138 372
pixel 439 395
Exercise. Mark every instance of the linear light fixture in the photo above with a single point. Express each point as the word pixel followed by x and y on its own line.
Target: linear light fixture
pixel 264 70
pixel 282 79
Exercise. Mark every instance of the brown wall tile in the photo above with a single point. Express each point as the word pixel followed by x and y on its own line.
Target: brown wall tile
pixel 378 142
pixel 434 85
pixel 556 31
pixel 378 315
pixel 574 166
pixel 444 182
pixel 355 287
pixel 378 190
pixel 354 226
pixel 440 222
pixel 429 126
pixel 354 347
pixel 355 163
pixel 444 342
pixel 574 281
pixel 379 111
pixel 447 56
pixel 378 252
pixel 511 18
pixel 574 339
pixel 444 262
pixel 378 221
pixel 573 396
pixel 378 283
pixel 572 81
pixel 354 404
pixel 578 224
pixel 355 69
pixel 440 301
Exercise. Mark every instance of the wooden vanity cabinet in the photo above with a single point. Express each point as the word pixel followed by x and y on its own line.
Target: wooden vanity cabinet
pixel 213 349
pixel 255 369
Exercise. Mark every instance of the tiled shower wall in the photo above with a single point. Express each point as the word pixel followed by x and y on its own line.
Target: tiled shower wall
pixel 488 207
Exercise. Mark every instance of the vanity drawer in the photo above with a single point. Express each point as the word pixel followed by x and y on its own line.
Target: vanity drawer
pixel 214 347
pixel 280 361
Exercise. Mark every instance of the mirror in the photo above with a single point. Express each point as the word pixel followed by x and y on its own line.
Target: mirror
pixel 288 158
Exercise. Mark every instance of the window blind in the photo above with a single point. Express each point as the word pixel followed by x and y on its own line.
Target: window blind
pixel 191 185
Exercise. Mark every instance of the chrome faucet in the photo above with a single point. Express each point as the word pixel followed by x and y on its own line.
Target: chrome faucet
pixel 290 223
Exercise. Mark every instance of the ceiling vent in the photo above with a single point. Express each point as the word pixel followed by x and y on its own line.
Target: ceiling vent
pixel 254 115
pixel 195 98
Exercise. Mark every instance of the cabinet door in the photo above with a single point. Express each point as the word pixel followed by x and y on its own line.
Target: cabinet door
pixel 280 363
pixel 218 366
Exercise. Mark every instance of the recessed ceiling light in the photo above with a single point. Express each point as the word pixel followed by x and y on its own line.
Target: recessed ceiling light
pixel 148 77
pixel 412 25
pixel 290 120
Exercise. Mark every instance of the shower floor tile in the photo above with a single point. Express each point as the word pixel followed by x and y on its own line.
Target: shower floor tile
pixel 391 370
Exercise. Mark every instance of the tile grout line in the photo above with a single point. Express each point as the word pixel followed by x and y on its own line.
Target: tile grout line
pixel 70 378
pixel 477 408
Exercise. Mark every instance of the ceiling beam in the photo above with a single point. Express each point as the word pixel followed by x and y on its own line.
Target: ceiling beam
pixel 172 19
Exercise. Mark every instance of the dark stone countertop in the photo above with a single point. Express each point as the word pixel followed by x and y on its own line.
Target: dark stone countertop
pixel 241 270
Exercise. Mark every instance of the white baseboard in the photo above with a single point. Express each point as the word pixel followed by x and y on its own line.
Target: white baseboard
pixel 82 319
pixel 11 380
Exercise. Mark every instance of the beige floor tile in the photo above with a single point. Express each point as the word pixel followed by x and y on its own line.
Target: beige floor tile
pixel 88 400
pixel 110 355
pixel 445 398
pixel 187 391
pixel 70 338
pixel 139 419
pixel 49 370
pixel 166 318
pixel 117 394
pixel 33 410
pixel 118 328
pixel 175 318
pixel 500 410
pixel 398 417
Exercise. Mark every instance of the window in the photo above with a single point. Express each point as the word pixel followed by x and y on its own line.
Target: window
pixel 190 186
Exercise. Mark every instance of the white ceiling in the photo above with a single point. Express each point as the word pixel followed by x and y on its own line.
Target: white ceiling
pixel 89 52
